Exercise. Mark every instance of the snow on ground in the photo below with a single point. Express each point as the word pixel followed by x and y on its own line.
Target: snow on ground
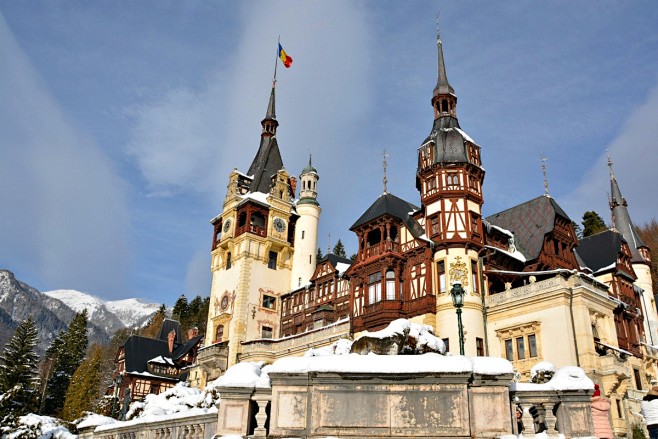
pixel 45 426
pixel 94 420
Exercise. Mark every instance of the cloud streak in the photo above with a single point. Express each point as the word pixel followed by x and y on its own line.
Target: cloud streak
pixel 69 222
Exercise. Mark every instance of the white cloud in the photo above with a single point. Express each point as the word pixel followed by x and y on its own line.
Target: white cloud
pixel 64 212
pixel 634 153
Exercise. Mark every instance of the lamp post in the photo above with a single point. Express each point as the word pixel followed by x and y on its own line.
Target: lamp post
pixel 457 293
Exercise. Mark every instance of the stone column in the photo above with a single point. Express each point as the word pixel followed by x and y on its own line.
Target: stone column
pixel 262 398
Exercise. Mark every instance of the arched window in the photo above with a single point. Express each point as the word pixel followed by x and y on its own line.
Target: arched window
pixel 242 219
pixel 219 333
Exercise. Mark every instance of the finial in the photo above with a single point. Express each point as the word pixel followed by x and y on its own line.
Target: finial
pixel 309 157
pixel 385 179
pixel 612 174
pixel 543 159
pixel 329 244
pixel 438 33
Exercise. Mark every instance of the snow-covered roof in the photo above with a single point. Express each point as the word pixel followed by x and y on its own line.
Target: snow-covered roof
pixel 516 254
pixel 259 197
pixel 162 360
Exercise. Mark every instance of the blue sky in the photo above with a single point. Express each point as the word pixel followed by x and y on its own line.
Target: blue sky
pixel 120 121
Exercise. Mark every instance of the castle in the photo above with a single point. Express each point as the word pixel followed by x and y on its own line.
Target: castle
pixel 527 288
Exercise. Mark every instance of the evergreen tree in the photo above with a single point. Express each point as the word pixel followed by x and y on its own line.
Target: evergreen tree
pixel 339 249
pixel 155 323
pixel 67 353
pixel 19 373
pixel 353 257
pixel 181 309
pixel 592 224
pixel 318 256
pixel 85 388
pixel 577 229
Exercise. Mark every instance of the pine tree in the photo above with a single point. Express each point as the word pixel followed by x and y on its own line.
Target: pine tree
pixel 67 353
pixel 85 388
pixel 181 309
pixel 19 373
pixel 155 323
pixel 318 256
pixel 577 229
pixel 353 257
pixel 339 250
pixel 592 224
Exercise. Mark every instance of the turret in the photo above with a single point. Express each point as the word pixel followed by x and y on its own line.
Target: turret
pixel 306 229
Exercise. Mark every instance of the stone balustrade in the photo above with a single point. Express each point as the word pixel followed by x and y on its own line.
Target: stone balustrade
pixel 191 427
pixel 554 413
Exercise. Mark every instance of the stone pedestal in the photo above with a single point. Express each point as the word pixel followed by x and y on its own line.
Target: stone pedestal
pixel 233 416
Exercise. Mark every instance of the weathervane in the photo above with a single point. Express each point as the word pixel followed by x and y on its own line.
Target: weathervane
pixel 385 179
pixel 543 159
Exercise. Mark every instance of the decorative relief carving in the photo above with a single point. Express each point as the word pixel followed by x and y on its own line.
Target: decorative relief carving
pixel 458 272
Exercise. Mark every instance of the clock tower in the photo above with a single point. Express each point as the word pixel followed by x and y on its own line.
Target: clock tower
pixel 449 179
pixel 252 248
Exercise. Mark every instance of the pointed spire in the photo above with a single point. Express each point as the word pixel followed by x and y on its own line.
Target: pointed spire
pixel 270 123
pixel 444 100
pixel 443 87
pixel 385 181
pixel 543 160
pixel 621 219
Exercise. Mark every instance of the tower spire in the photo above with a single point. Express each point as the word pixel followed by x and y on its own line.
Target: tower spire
pixel 444 100
pixel 385 180
pixel 543 160
pixel 621 219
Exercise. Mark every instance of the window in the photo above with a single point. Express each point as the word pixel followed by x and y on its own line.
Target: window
pixel 219 333
pixel 390 285
pixel 375 287
pixel 269 301
pixel 520 348
pixel 299 282
pixel 474 277
pixel 509 350
pixel 228 260
pixel 303 233
pixel 532 345
pixel 435 226
pixel 474 224
pixel 452 181
pixel 620 412
pixel 638 380
pixel 479 346
pixel 441 267
pixel 266 332
pixel 446 341
pixel 272 262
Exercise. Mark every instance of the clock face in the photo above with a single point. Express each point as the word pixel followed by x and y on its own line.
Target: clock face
pixel 224 303
pixel 227 225
pixel 279 225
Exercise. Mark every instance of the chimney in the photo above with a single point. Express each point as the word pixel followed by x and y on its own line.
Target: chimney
pixel 192 332
pixel 170 338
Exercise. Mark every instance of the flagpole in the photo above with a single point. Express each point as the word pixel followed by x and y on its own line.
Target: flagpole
pixel 276 61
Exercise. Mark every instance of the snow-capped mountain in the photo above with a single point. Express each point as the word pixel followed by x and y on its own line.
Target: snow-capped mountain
pixel 132 312
pixel 111 315
pixel 19 301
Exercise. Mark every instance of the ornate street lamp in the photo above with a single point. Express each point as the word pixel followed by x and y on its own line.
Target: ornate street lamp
pixel 457 293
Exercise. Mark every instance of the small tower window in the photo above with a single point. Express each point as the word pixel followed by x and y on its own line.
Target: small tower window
pixel 228 260
pixel 441 268
pixel 271 263
pixel 444 106
pixel 219 333
pixel 303 232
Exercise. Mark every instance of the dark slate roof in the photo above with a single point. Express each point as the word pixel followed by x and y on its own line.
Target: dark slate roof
pixel 266 164
pixel 334 260
pixel 600 250
pixel 169 325
pixel 139 350
pixel 530 222
pixel 185 348
pixel 394 206
pixel 622 220
pixel 442 84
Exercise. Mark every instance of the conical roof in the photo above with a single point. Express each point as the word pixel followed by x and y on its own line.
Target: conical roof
pixel 442 84
pixel 621 219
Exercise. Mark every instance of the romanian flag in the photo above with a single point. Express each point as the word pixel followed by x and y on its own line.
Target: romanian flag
pixel 285 58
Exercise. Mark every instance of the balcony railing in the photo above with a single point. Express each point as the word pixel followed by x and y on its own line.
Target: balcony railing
pixel 259 231
pixel 381 248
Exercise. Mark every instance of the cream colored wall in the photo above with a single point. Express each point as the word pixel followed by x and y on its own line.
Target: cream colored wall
pixel 446 315
pixel 309 218
pixel 643 272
